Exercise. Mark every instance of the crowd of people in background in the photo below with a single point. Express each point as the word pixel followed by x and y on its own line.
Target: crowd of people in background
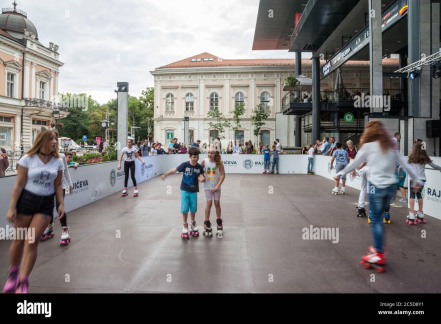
pixel 151 148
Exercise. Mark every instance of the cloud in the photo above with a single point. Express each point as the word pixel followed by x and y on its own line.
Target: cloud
pixel 107 41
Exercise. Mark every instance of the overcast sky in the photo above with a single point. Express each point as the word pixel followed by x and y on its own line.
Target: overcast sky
pixel 106 41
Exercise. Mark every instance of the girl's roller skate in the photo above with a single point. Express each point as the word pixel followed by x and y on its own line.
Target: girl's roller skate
pixel 343 191
pixel 194 231
pixel 411 219
pixel 220 229
pixel 386 219
pixel 11 281
pixel 208 231
pixel 135 192
pixel 420 217
pixel 124 193
pixel 335 191
pixel 48 233
pixel 374 259
pixel 22 285
pixel 65 238
pixel 361 212
pixel 184 233
pixel 369 217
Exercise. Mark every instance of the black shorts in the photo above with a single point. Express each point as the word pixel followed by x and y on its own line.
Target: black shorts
pixel 30 204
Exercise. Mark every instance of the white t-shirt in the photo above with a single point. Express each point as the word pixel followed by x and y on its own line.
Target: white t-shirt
pixel 41 177
pixel 154 152
pixel 130 153
pixel 311 152
pixel 278 147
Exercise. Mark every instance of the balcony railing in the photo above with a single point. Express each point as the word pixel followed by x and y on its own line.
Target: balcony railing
pixel 40 103
pixel 169 112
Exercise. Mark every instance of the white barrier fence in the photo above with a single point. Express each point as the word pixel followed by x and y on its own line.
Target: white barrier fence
pixel 94 182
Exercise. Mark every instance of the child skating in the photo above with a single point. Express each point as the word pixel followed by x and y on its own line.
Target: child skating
pixel 214 177
pixel 341 158
pixel 418 160
pixel 193 173
pixel 266 159
pixel 131 153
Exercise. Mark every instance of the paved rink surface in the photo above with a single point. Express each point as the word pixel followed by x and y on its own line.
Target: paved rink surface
pixel 133 245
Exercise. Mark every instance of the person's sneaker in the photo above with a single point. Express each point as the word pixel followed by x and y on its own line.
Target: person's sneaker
pixel 403 200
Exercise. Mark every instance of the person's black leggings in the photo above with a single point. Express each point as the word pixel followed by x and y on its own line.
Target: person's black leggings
pixel 63 221
pixel 129 165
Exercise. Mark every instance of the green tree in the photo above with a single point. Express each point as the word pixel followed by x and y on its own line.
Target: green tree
pixel 220 122
pixel 146 113
pixel 258 117
pixel 238 111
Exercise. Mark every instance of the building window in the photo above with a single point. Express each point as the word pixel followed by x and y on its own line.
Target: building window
pixel 6 136
pixel 11 85
pixel 239 99
pixel 42 90
pixel 214 101
pixel 189 102
pixel 264 100
pixel 40 122
pixel 265 137
pixel 191 133
pixel 213 135
pixel 239 137
pixel 170 102
pixel 169 135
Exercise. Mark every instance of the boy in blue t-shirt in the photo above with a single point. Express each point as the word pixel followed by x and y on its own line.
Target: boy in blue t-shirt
pixel 266 159
pixel 193 173
pixel 341 157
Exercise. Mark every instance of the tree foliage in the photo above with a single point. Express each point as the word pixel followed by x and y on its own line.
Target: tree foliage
pixel 220 122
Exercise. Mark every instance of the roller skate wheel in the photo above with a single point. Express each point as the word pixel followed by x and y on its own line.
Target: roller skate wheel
pixel 365 265
pixel 381 269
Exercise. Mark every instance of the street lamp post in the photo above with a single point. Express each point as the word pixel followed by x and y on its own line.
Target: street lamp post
pixel 133 133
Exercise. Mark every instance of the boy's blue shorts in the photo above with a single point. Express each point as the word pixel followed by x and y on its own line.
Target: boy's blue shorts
pixel 189 201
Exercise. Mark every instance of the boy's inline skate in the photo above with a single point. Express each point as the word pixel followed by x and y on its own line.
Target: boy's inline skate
pixel 220 229
pixel 342 191
pixel 135 192
pixel 420 217
pixel 208 231
pixel 361 212
pixel 411 220
pixel 194 231
pixel 386 219
pixel 65 237
pixel 48 233
pixel 124 193
pixel 335 191
pixel 184 233
pixel 374 259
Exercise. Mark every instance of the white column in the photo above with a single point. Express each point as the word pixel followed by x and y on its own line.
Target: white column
pixel 57 74
pixel 252 99
pixel 26 79
pixel 33 85
pixel 227 99
pixel 277 99
pixel 201 98
pixel 52 95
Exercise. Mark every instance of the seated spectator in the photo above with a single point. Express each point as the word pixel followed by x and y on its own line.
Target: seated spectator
pixel 159 150
pixel 197 144
pixel 183 149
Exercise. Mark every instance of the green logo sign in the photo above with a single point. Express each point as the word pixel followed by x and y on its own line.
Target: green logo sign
pixel 169 136
pixel 349 117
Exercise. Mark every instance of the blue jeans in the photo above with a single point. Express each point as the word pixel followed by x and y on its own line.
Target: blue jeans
pixel 266 164
pixel 310 164
pixel 276 164
pixel 379 201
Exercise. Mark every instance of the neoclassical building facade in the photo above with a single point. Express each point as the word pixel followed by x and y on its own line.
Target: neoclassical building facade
pixel 194 86
pixel 29 78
